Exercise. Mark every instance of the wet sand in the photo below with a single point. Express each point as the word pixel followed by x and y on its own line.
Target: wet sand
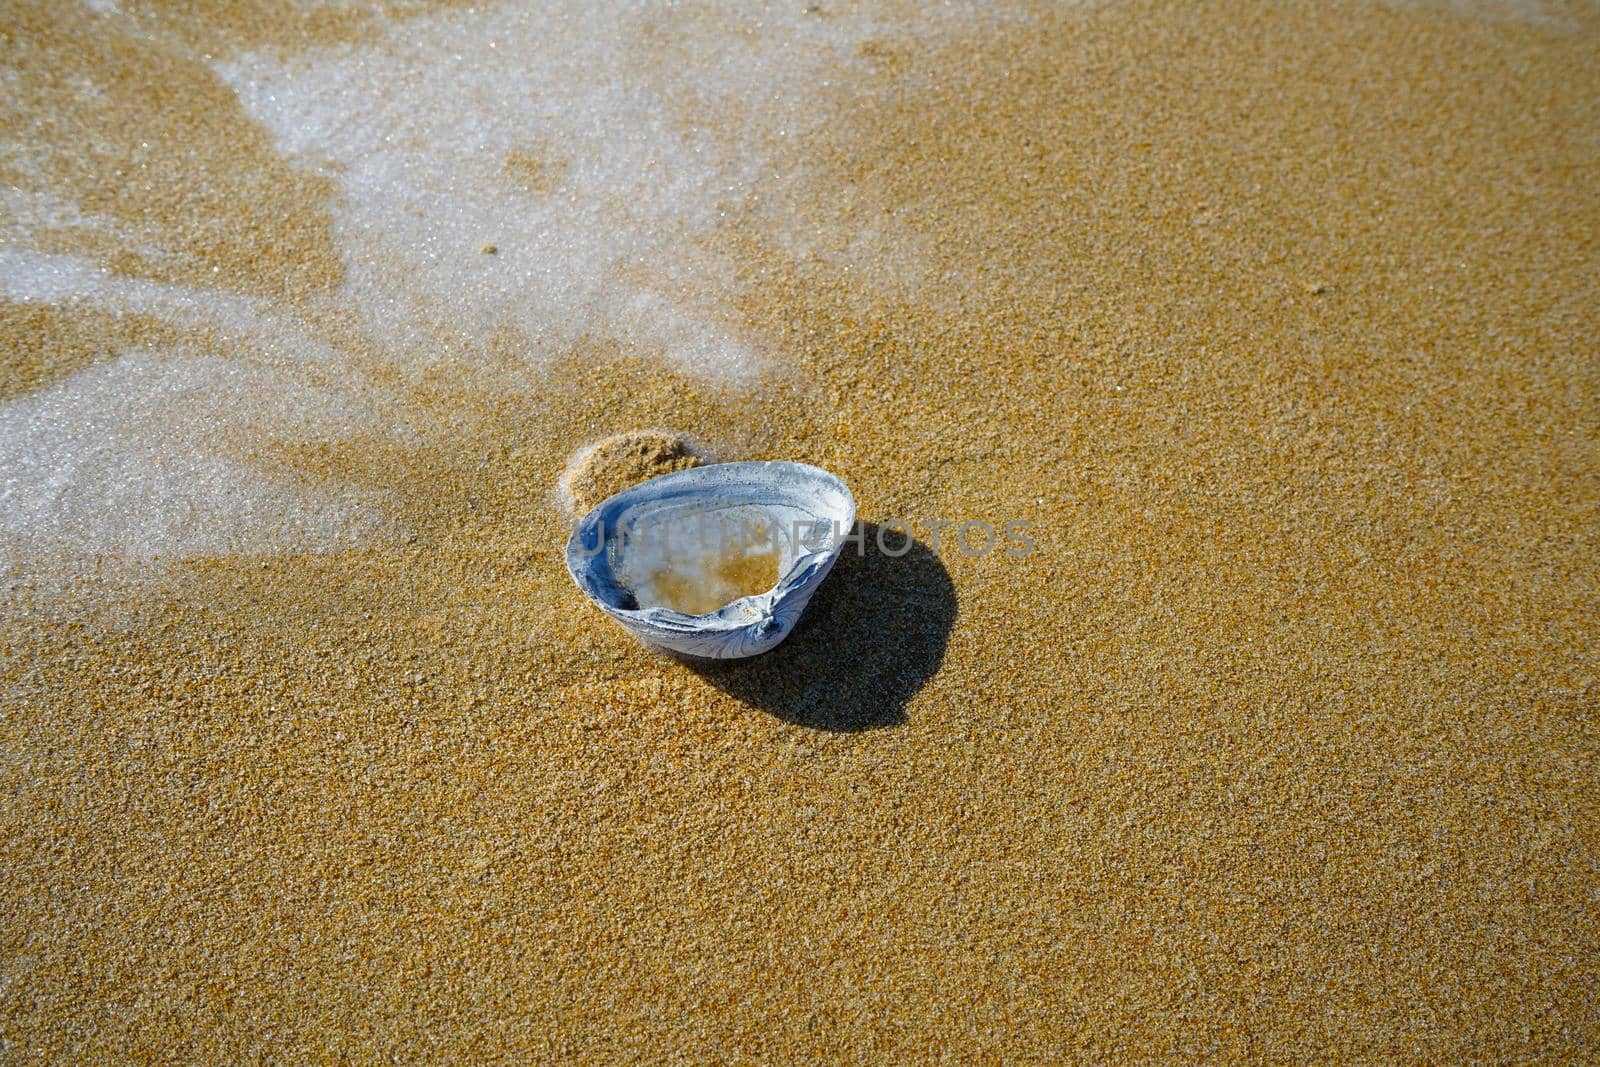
pixel 1279 326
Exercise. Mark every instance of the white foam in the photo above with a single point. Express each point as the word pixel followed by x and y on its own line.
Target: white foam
pixel 273 337
pixel 128 457
pixel 417 130
pixel 649 122
pixel 174 454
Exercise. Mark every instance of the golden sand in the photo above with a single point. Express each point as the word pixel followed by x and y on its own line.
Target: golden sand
pixel 613 464
pixel 1278 323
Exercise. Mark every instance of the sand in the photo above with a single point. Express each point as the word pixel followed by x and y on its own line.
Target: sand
pixel 1277 323
pixel 611 465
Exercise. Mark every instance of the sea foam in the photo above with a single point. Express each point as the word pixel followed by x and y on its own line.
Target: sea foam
pixel 550 175
pixel 597 148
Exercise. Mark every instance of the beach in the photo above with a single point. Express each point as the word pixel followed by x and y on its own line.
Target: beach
pixel 1275 327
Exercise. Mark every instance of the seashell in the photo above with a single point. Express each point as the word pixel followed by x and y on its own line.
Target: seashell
pixel 664 556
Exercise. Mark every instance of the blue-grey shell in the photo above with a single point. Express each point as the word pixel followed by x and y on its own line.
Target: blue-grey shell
pixel 792 492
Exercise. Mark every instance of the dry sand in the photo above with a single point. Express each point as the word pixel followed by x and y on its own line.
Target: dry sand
pixel 1278 322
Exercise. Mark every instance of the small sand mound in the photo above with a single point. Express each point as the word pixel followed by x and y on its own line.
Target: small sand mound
pixel 596 471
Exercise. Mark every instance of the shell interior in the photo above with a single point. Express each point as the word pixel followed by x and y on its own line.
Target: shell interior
pixel 704 552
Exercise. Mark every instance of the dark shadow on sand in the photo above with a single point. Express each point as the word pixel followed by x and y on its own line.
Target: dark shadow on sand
pixel 873 635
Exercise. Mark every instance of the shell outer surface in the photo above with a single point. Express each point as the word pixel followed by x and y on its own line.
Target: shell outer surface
pixel 799 497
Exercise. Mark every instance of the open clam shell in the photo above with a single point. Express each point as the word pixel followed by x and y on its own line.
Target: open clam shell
pixel 696 520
